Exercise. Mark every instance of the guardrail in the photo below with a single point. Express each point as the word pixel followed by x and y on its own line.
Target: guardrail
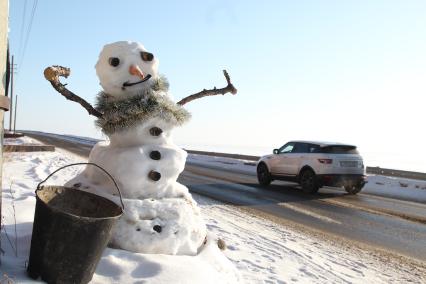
pixel 225 155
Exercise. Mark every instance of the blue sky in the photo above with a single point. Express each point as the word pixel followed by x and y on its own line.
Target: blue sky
pixel 348 71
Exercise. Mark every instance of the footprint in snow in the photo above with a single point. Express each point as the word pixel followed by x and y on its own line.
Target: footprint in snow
pixel 307 273
pixel 37 161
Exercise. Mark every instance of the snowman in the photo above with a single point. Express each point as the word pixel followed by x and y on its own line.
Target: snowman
pixel 136 113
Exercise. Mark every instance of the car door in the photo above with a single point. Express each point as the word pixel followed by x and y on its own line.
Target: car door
pixel 295 157
pixel 279 163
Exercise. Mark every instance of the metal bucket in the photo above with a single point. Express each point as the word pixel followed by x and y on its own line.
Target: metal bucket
pixel 71 230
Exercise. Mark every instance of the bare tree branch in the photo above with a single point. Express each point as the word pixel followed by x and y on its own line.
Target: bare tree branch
pixel 204 93
pixel 52 74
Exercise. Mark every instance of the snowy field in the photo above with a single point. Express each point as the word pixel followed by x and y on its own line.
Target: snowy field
pixel 263 251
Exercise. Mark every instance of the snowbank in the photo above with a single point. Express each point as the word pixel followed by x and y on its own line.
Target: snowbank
pixel 396 187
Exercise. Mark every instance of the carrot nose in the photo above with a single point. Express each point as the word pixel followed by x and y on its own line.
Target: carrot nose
pixel 136 71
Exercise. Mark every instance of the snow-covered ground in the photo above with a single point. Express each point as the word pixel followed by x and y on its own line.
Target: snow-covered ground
pixel 262 250
pixel 19 141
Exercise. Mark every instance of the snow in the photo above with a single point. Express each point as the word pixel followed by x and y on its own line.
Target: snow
pixel 266 252
pixel 396 187
pixel 18 141
pixel 130 165
pixel 22 173
pixel 129 55
pixel 119 266
pixel 160 226
pixel 160 215
pixel 262 250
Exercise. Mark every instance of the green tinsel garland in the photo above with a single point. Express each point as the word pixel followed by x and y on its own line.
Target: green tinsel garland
pixel 123 114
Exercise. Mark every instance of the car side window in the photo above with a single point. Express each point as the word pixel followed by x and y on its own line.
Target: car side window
pixel 287 148
pixel 300 148
pixel 313 148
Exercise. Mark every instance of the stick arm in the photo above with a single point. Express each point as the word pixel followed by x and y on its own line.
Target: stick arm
pixel 52 75
pixel 213 92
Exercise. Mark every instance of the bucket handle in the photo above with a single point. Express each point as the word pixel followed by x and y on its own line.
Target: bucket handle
pixel 92 164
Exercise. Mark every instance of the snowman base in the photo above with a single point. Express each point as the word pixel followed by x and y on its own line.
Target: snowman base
pixel 160 226
pixel 210 265
pixel 171 226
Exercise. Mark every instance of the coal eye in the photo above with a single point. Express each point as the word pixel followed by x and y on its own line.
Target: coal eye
pixel 146 56
pixel 114 61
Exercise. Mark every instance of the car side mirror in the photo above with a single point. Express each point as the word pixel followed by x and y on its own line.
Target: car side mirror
pixel 275 151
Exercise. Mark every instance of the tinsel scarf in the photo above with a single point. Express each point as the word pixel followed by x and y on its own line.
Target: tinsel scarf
pixel 152 102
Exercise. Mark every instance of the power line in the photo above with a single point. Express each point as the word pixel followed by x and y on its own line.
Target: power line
pixel 24 12
pixel 28 31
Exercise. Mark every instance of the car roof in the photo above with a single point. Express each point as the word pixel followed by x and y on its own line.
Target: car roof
pixel 322 143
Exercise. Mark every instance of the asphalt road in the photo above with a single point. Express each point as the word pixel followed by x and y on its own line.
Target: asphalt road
pixel 387 224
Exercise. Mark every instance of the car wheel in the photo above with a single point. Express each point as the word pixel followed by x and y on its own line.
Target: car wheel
pixel 308 181
pixel 353 189
pixel 263 175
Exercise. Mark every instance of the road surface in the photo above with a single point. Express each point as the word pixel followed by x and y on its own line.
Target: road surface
pixel 389 225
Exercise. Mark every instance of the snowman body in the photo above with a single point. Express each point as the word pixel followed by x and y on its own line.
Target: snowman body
pixel 144 168
pixel 160 215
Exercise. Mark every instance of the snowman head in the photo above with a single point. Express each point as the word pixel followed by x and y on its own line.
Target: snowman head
pixel 126 68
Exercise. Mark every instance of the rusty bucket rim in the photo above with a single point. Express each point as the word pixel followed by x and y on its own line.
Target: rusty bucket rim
pixel 39 186
pixel 74 216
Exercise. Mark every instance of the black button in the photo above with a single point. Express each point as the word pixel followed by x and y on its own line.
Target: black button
pixel 155 155
pixel 157 228
pixel 155 176
pixel 155 131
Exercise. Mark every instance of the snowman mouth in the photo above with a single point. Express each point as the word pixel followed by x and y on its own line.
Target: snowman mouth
pixel 128 84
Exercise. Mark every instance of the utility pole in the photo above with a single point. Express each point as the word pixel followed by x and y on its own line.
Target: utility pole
pixel 12 73
pixel 11 95
pixel 14 121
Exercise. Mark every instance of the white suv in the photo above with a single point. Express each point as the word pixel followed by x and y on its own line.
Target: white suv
pixel 313 165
